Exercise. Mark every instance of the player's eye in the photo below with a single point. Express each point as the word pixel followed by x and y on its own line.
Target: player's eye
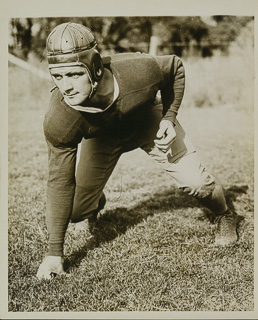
pixel 76 75
pixel 57 76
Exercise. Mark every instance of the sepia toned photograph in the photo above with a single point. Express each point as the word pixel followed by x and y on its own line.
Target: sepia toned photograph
pixel 131 164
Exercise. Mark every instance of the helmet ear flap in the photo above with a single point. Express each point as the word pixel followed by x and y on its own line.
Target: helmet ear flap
pixel 92 60
pixel 97 67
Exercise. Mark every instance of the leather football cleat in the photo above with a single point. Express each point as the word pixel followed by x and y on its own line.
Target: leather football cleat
pixel 226 233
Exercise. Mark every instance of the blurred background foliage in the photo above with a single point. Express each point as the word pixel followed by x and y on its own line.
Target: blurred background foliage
pixel 185 36
pixel 217 51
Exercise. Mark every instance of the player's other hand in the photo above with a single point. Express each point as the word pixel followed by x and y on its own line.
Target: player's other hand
pixel 166 135
pixel 51 266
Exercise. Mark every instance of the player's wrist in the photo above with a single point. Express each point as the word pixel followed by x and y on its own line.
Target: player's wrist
pixel 171 119
pixel 55 250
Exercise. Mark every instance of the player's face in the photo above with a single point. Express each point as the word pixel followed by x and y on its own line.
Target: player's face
pixel 73 83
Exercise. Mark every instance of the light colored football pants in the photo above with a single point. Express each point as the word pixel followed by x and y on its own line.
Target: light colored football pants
pixel 98 158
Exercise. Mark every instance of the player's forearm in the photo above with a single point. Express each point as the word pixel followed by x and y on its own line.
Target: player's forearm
pixel 178 85
pixel 60 194
pixel 173 93
pixel 59 209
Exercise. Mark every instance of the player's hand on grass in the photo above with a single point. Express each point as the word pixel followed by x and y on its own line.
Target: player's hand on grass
pixel 166 135
pixel 51 266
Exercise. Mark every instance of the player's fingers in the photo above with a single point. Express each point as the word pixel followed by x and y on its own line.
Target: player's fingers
pixel 166 142
pixel 164 148
pixel 161 133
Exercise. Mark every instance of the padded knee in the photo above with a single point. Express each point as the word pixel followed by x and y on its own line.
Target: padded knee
pixel 201 190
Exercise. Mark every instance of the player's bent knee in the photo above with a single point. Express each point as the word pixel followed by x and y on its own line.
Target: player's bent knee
pixel 200 190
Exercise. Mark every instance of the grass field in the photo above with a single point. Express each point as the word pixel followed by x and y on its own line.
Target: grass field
pixel 154 249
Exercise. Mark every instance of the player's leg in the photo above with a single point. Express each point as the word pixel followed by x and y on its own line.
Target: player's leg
pixel 181 162
pixel 97 160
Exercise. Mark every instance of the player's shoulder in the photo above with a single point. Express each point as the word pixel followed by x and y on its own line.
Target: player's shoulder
pixel 61 122
pixel 126 56
pixel 139 57
pixel 142 64
pixel 129 59
pixel 138 66
pixel 166 61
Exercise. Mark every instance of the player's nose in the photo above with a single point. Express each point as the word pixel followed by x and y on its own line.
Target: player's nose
pixel 67 85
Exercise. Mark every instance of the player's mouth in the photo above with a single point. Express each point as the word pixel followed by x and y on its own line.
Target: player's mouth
pixel 70 95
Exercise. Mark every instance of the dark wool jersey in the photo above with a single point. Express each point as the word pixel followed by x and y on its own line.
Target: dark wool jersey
pixel 139 77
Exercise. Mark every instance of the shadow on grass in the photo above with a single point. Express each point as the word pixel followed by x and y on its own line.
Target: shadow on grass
pixel 231 195
pixel 117 221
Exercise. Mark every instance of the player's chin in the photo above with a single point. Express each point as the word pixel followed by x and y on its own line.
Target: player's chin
pixel 76 101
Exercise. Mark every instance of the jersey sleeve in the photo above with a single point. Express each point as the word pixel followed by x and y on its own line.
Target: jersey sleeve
pixel 62 134
pixel 60 194
pixel 173 85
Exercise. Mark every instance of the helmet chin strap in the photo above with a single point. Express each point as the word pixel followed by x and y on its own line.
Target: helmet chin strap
pixel 94 86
